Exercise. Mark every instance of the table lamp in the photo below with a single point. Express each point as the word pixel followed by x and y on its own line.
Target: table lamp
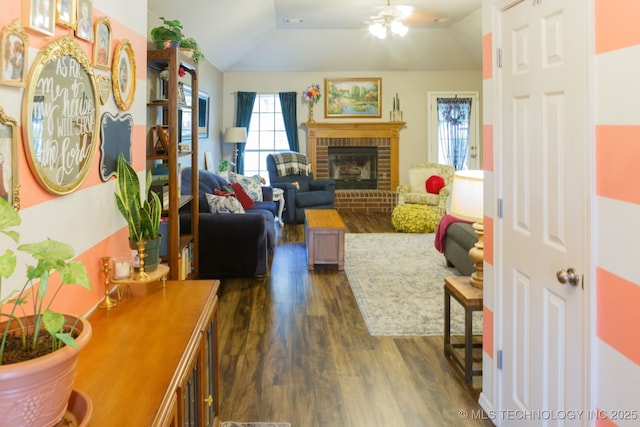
pixel 467 198
pixel 234 136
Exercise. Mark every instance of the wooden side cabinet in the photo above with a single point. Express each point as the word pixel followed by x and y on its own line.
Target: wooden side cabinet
pixel 153 359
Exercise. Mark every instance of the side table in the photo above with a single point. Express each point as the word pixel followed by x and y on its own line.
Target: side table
pixel 470 298
pixel 278 196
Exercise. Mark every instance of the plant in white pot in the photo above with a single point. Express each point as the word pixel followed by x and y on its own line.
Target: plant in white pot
pixel 39 351
pixel 142 214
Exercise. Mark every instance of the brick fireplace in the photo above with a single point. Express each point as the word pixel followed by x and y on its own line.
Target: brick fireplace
pixel 381 138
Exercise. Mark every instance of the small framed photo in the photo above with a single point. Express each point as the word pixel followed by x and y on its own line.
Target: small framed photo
pixel 13 54
pixel 84 28
pixel 66 13
pixel 182 98
pixel 40 15
pixel 9 160
pixel 353 97
pixel 102 44
pixel 123 70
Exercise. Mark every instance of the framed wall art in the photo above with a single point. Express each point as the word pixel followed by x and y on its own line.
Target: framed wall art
pixel 203 115
pixel 102 44
pixel 103 83
pixel 124 75
pixel 66 13
pixel 40 15
pixel 13 54
pixel 353 97
pixel 84 28
pixel 9 160
pixel 60 142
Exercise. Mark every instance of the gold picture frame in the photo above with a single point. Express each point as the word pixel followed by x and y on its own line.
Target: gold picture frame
pixel 39 16
pixel 124 75
pixel 14 49
pixel 66 13
pixel 102 44
pixel 9 185
pixel 84 25
pixel 103 83
pixel 359 97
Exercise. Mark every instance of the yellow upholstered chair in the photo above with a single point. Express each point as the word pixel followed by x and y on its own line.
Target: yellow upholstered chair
pixel 415 191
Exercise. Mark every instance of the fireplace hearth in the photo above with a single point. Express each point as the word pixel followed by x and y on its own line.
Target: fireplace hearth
pixel 354 167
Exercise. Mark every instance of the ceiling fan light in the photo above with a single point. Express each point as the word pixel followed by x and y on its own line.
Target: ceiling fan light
pixel 379 30
pixel 399 28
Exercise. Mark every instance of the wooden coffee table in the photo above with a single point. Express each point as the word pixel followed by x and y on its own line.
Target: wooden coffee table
pixel 324 234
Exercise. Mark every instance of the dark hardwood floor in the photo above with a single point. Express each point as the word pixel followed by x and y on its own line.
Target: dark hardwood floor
pixel 294 348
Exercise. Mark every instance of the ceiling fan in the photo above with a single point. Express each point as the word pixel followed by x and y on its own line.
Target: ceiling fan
pixel 389 19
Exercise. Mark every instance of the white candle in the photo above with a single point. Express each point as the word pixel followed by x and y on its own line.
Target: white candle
pixel 121 268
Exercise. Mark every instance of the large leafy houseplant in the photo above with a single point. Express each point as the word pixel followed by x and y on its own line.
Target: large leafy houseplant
pixel 39 351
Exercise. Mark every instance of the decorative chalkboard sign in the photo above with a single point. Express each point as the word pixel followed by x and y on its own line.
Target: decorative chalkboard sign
pixel 115 132
pixel 60 112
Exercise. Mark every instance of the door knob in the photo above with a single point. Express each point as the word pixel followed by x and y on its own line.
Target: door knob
pixel 570 276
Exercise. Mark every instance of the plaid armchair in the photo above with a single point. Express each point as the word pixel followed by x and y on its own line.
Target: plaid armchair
pixel 290 171
pixel 415 191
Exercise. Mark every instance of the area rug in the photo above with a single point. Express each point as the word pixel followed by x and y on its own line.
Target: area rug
pixel 235 424
pixel 398 280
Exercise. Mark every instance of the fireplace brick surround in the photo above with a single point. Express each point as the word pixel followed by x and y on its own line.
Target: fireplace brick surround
pixel 385 136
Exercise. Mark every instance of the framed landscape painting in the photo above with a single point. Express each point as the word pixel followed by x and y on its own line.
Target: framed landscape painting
pixel 353 97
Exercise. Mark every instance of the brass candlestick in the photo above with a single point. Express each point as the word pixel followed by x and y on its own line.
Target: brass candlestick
pixel 107 303
pixel 141 274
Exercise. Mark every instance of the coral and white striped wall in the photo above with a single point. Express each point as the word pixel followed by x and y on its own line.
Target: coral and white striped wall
pixel 615 303
pixel 87 218
pixel 617 278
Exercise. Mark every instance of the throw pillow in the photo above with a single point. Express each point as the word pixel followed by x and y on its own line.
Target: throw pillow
pixel 217 192
pixel 251 184
pixel 242 196
pixel 222 204
pixel 434 184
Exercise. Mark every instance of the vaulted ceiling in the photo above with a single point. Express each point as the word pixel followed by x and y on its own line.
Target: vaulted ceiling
pixel 328 35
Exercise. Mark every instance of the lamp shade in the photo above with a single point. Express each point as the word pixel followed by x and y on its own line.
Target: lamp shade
pixel 235 135
pixel 467 195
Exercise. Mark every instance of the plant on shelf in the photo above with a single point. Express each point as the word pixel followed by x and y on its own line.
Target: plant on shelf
pixel 143 217
pixel 192 44
pixel 45 341
pixel 171 30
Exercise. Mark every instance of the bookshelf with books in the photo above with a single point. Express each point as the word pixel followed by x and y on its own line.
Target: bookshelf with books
pixel 165 158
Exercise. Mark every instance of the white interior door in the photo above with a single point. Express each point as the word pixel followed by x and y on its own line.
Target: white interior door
pixel 543 151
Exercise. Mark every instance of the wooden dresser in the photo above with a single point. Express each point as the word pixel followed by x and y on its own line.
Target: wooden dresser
pixel 153 359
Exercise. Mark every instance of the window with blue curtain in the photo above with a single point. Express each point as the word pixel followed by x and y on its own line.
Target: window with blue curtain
pixel 454 119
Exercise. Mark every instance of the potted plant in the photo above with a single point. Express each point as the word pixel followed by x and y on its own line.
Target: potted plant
pixel 169 34
pixel 189 43
pixel 143 217
pixel 39 351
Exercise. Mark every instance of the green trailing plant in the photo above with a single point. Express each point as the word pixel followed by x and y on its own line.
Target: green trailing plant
pixel 143 217
pixel 51 256
pixel 190 43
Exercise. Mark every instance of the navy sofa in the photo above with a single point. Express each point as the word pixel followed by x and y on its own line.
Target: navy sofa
pixel 231 245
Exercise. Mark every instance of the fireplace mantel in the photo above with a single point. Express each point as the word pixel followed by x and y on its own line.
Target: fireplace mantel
pixel 386 130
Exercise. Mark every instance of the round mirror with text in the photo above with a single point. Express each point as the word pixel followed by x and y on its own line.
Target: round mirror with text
pixel 59 116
